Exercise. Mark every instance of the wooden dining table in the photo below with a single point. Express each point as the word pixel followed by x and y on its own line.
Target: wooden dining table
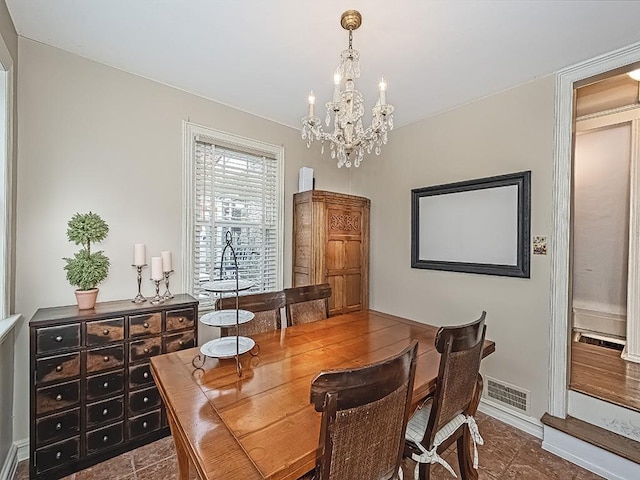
pixel 262 425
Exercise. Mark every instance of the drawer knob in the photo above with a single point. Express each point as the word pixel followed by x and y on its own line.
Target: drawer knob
pixel 58 455
pixel 105 385
pixel 58 426
pixel 181 319
pixel 144 425
pixel 105 332
pixel 105 412
pixel 106 358
pixel 181 343
pixel 145 324
pixel 59 338
pixel 145 400
pixel 105 439
pixel 58 397
pixel 145 374
pixel 146 350
pixel 59 368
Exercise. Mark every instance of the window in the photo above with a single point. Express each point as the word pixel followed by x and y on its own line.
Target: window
pixel 233 184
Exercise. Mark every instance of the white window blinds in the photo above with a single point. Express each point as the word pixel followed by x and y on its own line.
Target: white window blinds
pixel 236 191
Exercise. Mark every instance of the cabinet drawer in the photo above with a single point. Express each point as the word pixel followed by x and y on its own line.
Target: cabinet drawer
pixel 106 411
pixel 58 368
pixel 180 319
pixel 56 427
pixel 104 438
pixel 57 396
pixel 144 424
pixel 104 385
pixel 57 454
pixel 140 376
pixel 150 324
pixel 104 331
pixel 100 359
pixel 52 339
pixel 178 341
pixel 143 400
pixel 142 349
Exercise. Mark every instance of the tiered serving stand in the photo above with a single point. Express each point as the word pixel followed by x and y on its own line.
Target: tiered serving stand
pixel 232 346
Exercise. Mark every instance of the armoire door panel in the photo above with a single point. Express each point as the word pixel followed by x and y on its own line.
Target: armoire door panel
pixel 352 254
pixel 344 221
pixel 336 300
pixel 334 256
pixel 353 287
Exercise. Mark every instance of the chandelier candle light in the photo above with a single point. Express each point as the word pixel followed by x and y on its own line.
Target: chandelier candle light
pixel 349 140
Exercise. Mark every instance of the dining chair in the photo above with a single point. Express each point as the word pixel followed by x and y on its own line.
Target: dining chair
pixel 265 306
pixel 307 304
pixel 364 417
pixel 447 416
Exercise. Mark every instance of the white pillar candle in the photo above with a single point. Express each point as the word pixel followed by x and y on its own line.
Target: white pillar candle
pixel 139 254
pixel 156 268
pixel 166 261
pixel 383 91
pixel 336 87
pixel 312 101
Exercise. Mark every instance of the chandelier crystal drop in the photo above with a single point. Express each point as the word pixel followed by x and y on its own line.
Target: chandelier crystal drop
pixel 349 139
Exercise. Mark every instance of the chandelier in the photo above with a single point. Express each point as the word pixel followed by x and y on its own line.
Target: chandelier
pixel 349 140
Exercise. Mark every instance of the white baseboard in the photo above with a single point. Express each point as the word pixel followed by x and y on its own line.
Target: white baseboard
pixel 23 449
pixel 607 322
pixel 588 456
pixel 527 424
pixel 10 464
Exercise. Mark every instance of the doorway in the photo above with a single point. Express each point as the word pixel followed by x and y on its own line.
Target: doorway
pixel 605 66
pixel 607 113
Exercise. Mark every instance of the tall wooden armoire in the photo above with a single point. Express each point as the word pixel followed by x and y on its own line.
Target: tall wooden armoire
pixel 331 245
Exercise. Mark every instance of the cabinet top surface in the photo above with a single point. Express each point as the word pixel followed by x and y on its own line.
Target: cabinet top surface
pixel 329 195
pixel 104 309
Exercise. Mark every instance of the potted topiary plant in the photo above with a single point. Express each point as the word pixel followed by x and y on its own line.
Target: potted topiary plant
pixel 86 269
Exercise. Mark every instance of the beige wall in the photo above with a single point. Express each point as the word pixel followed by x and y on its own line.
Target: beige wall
pixel 95 138
pixel 504 133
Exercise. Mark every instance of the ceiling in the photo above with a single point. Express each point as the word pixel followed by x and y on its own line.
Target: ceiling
pixel 263 57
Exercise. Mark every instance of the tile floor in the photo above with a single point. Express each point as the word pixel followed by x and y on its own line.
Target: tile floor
pixel 508 453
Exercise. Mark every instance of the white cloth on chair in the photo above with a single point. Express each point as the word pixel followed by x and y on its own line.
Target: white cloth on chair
pixel 415 432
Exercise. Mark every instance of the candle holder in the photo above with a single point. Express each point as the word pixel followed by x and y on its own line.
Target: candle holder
pixel 167 294
pixel 157 299
pixel 139 298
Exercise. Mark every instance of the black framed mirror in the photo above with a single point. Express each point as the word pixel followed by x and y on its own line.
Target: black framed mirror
pixel 475 226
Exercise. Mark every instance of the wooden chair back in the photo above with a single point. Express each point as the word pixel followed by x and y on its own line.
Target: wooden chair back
pixel 266 307
pixel 460 350
pixel 364 418
pixel 307 304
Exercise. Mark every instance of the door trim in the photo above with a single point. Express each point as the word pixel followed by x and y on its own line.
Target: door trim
pixel 559 331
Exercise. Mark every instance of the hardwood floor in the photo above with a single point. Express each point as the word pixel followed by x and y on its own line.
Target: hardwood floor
pixel 600 372
pixel 507 454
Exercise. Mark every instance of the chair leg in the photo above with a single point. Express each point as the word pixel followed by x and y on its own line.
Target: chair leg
pixel 425 471
pixel 465 458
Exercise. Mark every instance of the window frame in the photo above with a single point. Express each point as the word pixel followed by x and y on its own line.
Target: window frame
pixel 6 178
pixel 228 140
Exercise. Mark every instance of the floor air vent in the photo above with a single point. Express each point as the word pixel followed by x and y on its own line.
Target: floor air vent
pixel 600 340
pixel 509 395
